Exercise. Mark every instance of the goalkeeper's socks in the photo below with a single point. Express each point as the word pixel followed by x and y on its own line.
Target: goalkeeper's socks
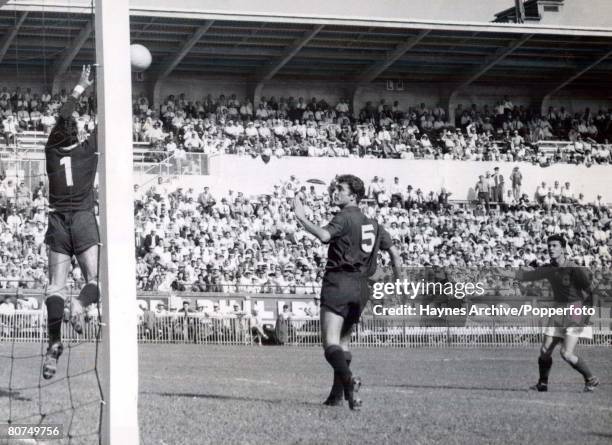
pixel 55 313
pixel 544 363
pixel 582 368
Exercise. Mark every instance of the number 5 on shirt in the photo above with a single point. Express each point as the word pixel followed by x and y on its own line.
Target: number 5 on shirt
pixel 367 238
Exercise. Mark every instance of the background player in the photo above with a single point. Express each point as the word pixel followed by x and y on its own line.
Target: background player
pixel 354 241
pixel 569 283
pixel 71 160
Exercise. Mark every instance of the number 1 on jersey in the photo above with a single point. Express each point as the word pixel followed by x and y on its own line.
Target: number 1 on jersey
pixel 66 161
pixel 367 238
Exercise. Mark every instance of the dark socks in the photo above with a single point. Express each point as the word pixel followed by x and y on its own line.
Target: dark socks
pixel 348 357
pixel 55 312
pixel 544 363
pixel 337 387
pixel 335 357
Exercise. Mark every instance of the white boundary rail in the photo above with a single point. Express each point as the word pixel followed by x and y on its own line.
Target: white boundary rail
pixel 379 332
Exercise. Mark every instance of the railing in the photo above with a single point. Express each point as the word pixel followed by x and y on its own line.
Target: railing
pixel 30 148
pixel 549 147
pixel 24 168
pixel 197 328
pixel 160 163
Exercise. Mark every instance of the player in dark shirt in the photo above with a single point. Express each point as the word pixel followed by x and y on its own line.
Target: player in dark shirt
pixel 354 241
pixel 72 160
pixel 570 285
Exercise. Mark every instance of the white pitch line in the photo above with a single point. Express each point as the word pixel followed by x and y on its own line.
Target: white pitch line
pixel 262 382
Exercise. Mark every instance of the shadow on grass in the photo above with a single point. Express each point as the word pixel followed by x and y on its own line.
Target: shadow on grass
pixel 229 398
pixel 14 395
pixel 466 388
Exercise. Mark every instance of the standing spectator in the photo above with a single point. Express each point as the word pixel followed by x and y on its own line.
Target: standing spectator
pixel 489 178
pixel 396 193
pixel 374 189
pixel 498 192
pixel 257 330
pixel 556 191
pixel 483 191
pixel 516 177
pixel 500 189
pixel 148 322
pixel 283 325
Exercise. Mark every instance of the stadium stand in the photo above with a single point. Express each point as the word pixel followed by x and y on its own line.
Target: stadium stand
pixel 190 241
pixel 290 126
pixel 197 241
pixel 296 127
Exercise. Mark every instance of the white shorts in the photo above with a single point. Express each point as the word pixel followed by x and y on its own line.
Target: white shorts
pixel 574 331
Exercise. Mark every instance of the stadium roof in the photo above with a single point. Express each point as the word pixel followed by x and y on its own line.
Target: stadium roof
pixel 261 49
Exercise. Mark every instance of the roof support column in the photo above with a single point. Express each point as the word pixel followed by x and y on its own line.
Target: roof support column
pixel 7 40
pixel 546 98
pixel 355 94
pixel 254 90
pixel 171 62
pixel 70 52
pixel 447 102
pixel 487 64
pixel 375 70
pixel 269 70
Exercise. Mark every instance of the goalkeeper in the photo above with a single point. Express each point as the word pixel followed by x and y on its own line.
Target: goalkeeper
pixel 71 159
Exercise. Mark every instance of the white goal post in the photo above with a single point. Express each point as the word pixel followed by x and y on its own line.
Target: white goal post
pixel 119 357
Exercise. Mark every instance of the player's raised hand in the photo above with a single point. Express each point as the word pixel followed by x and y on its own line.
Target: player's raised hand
pixel 85 81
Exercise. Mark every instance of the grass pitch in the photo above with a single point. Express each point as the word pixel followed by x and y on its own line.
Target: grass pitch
pixel 194 394
pixel 197 394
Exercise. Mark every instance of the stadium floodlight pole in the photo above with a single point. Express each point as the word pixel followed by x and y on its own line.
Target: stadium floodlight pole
pixel 119 358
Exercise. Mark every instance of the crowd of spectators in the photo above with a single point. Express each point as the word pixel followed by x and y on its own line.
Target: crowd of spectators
pixel 297 127
pixel 188 240
pixel 194 241
pixel 314 127
pixel 25 110
pixel 23 223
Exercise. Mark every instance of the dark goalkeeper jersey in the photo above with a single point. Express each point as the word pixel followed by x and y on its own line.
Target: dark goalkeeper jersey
pixel 355 242
pixel 71 166
pixel 569 283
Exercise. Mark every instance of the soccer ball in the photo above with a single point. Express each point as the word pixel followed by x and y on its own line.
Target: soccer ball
pixel 140 57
